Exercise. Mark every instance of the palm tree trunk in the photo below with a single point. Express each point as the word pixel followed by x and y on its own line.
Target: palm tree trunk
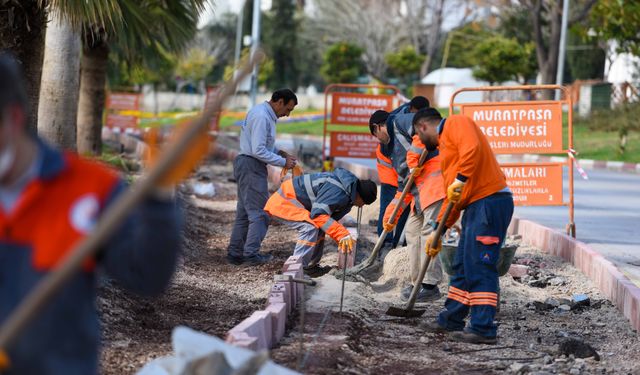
pixel 22 29
pixel 58 107
pixel 93 75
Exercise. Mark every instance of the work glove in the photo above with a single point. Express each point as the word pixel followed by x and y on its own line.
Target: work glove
pixel 430 248
pixel 454 191
pixel 389 227
pixel 345 245
pixel 417 171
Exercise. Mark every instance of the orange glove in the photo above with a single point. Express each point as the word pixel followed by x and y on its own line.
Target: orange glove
pixel 417 171
pixel 188 160
pixel 345 245
pixel 389 227
pixel 454 191
pixel 430 248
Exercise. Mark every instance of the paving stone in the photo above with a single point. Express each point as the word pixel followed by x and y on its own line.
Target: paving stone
pixel 518 271
pixel 258 325
pixel 278 313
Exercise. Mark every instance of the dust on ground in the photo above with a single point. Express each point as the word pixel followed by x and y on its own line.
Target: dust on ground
pixel 207 294
pixel 532 326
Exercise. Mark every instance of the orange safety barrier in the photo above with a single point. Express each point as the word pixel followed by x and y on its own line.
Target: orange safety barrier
pixel 353 108
pixel 528 127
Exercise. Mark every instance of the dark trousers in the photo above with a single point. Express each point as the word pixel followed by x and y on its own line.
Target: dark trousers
pixel 474 284
pixel 252 221
pixel 387 192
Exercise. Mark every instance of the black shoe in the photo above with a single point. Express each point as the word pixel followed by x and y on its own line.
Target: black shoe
pixel 428 293
pixel 235 260
pixel 473 338
pixel 434 327
pixel 258 259
pixel 316 270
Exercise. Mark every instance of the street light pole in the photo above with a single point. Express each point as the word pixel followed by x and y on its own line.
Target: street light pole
pixel 563 45
pixel 255 43
pixel 236 55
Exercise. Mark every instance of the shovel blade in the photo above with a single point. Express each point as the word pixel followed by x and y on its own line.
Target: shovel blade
pixel 404 313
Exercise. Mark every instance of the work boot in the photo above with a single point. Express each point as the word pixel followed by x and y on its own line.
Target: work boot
pixel 235 260
pixel 427 293
pixel 258 259
pixel 434 327
pixel 473 338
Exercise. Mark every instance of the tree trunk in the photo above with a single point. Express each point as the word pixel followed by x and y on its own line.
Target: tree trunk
pixel 58 107
pixel 93 76
pixel 22 31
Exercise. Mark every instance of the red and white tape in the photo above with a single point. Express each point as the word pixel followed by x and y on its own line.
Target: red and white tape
pixel 572 154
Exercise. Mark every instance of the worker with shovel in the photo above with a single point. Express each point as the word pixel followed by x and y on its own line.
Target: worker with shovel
pixel 389 177
pixel 313 203
pixel 476 184
pixel 49 201
pixel 396 133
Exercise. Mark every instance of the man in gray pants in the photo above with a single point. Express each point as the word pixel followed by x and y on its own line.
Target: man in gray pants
pixel 257 149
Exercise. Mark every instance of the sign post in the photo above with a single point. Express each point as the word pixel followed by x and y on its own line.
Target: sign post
pixel 528 127
pixel 350 107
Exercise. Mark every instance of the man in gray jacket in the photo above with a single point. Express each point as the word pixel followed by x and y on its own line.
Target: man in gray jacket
pixel 257 149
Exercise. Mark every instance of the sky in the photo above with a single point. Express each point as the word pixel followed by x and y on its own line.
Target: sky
pixel 224 6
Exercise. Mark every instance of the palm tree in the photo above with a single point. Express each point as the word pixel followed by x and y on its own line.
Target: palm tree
pixel 22 27
pixel 143 32
pixel 58 105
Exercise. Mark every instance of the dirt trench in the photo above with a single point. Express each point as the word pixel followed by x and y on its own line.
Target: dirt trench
pixel 211 296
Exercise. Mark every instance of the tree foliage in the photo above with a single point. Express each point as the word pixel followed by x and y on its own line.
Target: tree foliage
pixel 405 61
pixel 500 59
pixel 342 63
pixel 281 28
pixel 618 20
pixel 463 41
pixel 194 65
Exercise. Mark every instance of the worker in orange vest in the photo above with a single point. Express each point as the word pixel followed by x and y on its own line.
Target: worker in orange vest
pixel 476 184
pixel 388 186
pixel 428 194
pixel 389 177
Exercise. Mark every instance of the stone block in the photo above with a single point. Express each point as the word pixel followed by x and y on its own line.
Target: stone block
pixel 350 260
pixel 286 289
pixel 278 313
pixel 242 340
pixel 275 298
pixel 294 259
pixel 258 325
pixel 518 270
pixel 297 287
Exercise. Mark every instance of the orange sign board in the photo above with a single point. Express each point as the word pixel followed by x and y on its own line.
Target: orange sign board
pixel 123 101
pixel 537 184
pixel 519 127
pixel 355 109
pixel 353 145
pixel 115 120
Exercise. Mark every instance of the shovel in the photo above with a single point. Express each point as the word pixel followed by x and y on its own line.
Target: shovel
pixel 408 311
pixel 374 254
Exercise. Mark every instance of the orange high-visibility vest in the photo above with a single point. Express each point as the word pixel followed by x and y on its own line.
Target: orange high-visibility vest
pixel 429 183
pixel 285 205
pixel 386 173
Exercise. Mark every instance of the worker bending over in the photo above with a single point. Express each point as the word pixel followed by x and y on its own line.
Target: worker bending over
pixel 396 134
pixel 388 176
pixel 313 204
pixel 50 201
pixel 476 184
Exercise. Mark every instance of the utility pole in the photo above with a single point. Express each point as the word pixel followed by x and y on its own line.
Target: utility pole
pixel 255 43
pixel 236 56
pixel 563 46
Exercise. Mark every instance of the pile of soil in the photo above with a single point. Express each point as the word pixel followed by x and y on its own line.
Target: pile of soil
pixel 207 294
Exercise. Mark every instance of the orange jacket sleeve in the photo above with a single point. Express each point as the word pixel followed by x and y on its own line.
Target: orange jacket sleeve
pixel 468 147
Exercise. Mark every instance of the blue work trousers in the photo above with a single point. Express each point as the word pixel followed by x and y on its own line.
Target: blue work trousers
pixel 474 284
pixel 252 221
pixel 387 192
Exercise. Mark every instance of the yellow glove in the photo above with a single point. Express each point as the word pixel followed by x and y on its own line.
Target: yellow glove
pixel 429 248
pixel 389 227
pixel 417 171
pixel 454 191
pixel 345 245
